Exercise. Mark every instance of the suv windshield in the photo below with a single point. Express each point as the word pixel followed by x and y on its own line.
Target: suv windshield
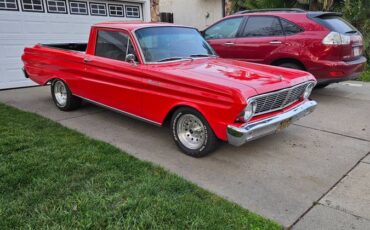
pixel 172 43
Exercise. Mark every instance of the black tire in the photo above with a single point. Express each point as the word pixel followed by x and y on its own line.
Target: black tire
pixel 71 103
pixel 290 65
pixel 210 142
pixel 321 86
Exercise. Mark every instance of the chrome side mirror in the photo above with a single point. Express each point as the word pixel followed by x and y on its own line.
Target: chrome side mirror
pixel 131 58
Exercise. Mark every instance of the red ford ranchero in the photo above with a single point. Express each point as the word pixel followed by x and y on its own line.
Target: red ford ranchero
pixel 164 72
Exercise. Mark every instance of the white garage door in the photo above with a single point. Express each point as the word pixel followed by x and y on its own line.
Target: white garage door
pixel 27 22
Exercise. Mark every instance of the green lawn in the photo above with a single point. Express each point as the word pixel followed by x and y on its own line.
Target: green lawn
pixel 365 76
pixel 54 177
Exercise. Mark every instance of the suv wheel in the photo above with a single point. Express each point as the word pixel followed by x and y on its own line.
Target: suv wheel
pixel 192 133
pixel 321 86
pixel 290 65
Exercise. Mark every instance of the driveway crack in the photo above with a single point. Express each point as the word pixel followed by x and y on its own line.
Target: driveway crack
pixel 326 131
pixel 344 211
pixel 331 188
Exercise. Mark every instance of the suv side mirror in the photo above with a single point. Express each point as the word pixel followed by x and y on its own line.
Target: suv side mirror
pixel 131 58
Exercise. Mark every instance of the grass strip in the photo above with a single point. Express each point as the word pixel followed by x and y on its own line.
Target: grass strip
pixel 54 177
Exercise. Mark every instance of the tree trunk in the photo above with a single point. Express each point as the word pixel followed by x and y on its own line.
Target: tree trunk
pixel 228 7
pixel 324 5
pixel 154 10
pixel 314 5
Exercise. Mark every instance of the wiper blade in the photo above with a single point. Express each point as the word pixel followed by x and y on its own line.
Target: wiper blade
pixel 202 55
pixel 172 59
pixel 351 32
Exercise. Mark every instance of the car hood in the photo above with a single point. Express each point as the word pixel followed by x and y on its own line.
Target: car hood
pixel 237 74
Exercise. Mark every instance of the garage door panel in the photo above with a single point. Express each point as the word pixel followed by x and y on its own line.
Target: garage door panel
pixel 15 76
pixel 17 84
pixel 32 39
pixel 12 51
pixel 10 27
pixel 10 66
pixel 21 29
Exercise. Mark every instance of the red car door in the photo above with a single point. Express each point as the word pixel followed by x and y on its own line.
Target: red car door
pixel 221 36
pixel 259 39
pixel 110 79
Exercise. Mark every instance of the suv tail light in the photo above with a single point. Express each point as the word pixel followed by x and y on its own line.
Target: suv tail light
pixel 335 38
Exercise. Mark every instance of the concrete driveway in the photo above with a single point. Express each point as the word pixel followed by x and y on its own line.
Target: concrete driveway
pixel 314 175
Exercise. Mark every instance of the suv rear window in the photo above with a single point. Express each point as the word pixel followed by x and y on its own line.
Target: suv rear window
pixel 262 26
pixel 337 24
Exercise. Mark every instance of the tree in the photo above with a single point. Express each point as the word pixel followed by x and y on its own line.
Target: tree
pixel 324 5
pixel 238 5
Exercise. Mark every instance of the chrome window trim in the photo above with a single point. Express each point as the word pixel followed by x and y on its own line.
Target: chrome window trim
pixel 277 92
pixel 138 45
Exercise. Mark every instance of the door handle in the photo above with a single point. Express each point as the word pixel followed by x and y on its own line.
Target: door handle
pixel 229 44
pixel 275 42
pixel 87 60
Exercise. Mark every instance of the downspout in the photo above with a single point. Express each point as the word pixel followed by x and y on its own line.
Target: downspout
pixel 223 8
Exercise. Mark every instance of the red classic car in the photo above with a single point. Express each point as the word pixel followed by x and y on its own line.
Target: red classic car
pixel 163 72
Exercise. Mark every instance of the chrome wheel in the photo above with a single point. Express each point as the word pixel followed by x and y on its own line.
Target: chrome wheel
pixel 191 131
pixel 60 93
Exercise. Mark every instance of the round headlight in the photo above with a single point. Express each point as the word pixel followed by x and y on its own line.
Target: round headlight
pixel 308 90
pixel 250 110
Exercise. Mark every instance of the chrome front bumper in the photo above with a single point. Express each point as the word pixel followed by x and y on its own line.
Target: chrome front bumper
pixel 240 135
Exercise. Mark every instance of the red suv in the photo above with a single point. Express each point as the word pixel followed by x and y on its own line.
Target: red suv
pixel 321 43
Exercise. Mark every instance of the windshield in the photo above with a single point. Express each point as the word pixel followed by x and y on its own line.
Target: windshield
pixel 170 43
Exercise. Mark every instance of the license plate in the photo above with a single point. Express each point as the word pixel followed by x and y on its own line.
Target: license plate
pixel 284 124
pixel 356 51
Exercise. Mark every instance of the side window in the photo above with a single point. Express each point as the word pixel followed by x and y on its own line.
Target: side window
pixel 57 6
pixel 77 7
pixel 115 10
pixel 98 9
pixel 224 29
pixel 261 26
pixel 8 5
pixel 132 11
pixel 289 27
pixel 32 5
pixel 114 45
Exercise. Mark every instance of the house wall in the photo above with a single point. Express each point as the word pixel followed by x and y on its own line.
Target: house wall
pixel 196 13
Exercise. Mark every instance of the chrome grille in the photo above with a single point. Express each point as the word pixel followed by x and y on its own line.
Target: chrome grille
pixel 280 99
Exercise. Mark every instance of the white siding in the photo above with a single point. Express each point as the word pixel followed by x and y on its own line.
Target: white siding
pixel 193 12
pixel 20 29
